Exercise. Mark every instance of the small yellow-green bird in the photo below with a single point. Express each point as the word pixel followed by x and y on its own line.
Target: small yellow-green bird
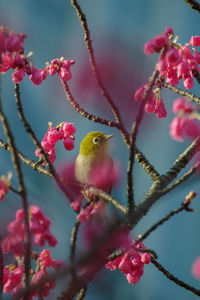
pixel 93 163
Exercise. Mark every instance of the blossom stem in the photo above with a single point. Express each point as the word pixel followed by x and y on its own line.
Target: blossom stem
pixel 174 279
pixel 188 174
pixel 182 92
pixel 161 221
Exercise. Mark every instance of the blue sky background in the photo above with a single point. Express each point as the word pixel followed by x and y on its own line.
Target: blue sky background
pixel 119 30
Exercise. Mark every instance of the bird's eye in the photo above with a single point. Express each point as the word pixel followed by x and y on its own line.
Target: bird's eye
pixel 95 140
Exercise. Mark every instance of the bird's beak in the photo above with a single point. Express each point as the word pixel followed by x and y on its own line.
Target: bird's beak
pixel 109 136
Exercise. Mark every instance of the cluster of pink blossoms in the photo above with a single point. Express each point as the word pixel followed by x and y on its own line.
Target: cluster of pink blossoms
pixel 176 61
pixel 184 124
pixel 13 275
pixel 39 226
pixel 4 185
pixel 154 103
pixel 131 263
pixel 64 131
pixel 12 57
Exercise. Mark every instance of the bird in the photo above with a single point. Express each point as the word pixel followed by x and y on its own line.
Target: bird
pixel 93 163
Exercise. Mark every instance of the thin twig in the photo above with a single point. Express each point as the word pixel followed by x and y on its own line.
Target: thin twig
pixel 163 220
pixel 183 178
pixel 95 70
pixel 193 4
pixel 183 93
pixel 174 279
pixel 22 191
pixel 34 165
pixel 73 247
pixel 84 113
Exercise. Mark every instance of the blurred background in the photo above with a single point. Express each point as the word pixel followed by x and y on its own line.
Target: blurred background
pixel 119 30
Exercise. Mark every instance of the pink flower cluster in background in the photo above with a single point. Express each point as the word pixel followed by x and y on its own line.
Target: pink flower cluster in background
pixel 65 131
pixel 39 226
pixel 131 263
pixel 176 61
pixel 13 57
pixel 184 124
pixel 13 274
pixel 154 103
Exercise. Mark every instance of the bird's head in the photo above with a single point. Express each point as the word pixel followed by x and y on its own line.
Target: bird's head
pixel 93 143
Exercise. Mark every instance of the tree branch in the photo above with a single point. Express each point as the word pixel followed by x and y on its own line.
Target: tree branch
pixel 174 279
pixel 34 165
pixel 193 4
pixel 183 93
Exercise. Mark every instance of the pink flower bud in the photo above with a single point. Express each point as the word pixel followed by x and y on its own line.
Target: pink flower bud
pixel 195 41
pixel 68 143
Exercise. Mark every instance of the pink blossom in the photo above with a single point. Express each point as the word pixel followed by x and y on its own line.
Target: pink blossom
pixel 18 75
pixel 65 74
pixel 3 189
pixel 76 204
pixel 36 76
pixel 68 143
pixel 84 215
pixel 43 73
pixel 131 263
pixel 188 83
pixel 58 264
pixel 195 41
pixel 12 279
pixel 45 289
pixel 196 268
pixel 160 110
pixel 68 128
pixel 184 124
pixel 6 59
pixel 45 257
pixel 53 136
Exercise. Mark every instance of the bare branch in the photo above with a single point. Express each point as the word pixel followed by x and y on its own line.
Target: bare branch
pixel 34 165
pixel 183 93
pixel 193 4
pixel 174 279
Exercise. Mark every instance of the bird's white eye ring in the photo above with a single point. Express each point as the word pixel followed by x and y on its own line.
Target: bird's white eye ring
pixel 95 140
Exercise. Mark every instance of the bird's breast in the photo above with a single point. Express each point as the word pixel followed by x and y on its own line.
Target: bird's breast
pixel 94 171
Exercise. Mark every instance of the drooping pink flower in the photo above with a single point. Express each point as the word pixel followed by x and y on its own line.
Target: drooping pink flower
pixel 131 263
pixel 68 143
pixel 12 279
pixel 36 76
pixel 184 124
